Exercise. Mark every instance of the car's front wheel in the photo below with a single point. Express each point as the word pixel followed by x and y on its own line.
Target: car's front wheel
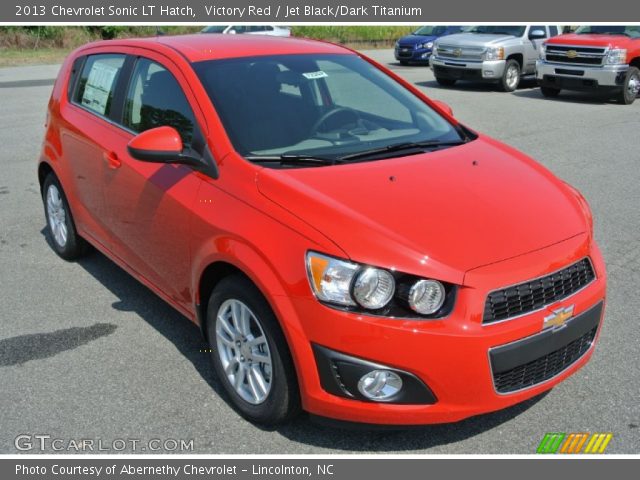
pixel 250 354
pixel 511 76
pixel 60 226
pixel 630 86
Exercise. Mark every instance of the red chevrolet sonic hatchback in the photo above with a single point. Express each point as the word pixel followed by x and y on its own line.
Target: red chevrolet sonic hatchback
pixel 347 247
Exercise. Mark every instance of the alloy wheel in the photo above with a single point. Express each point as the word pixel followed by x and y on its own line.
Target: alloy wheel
pixel 57 216
pixel 244 351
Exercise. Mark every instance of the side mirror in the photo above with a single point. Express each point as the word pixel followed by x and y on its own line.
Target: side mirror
pixel 537 34
pixel 161 145
pixel 444 107
pixel 232 31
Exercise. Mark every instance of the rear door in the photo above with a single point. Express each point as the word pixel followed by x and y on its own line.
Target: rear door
pixel 149 205
pixel 88 133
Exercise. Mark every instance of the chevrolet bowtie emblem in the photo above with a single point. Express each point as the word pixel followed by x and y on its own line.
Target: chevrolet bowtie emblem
pixel 457 52
pixel 572 54
pixel 558 318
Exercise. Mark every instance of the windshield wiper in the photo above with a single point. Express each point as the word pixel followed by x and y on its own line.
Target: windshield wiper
pixel 418 147
pixel 295 159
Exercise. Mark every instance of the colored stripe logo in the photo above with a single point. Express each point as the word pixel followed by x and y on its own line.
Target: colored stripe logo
pixel 574 443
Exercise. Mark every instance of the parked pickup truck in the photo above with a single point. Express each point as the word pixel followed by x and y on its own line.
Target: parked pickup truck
pixel 491 53
pixel 602 58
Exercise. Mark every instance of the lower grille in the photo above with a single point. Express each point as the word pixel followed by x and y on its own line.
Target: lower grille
pixel 535 294
pixel 545 367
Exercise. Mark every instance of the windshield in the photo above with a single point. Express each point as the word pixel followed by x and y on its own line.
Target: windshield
pixel 514 30
pixel 632 31
pixel 434 30
pixel 214 29
pixel 316 105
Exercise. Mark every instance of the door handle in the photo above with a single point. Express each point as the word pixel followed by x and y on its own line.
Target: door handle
pixel 112 160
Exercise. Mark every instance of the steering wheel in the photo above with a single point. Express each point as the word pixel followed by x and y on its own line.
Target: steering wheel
pixel 315 129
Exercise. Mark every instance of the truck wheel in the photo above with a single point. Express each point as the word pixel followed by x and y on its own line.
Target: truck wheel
pixel 511 76
pixel 61 228
pixel 550 92
pixel 250 354
pixel 446 82
pixel 630 87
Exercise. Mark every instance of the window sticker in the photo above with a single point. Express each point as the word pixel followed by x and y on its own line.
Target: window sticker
pixel 98 87
pixel 315 75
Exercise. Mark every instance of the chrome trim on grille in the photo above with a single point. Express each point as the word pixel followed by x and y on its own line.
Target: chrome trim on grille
pixel 496 322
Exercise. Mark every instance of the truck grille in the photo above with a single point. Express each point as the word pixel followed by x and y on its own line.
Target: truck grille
pixel 575 55
pixel 535 294
pixel 545 367
pixel 460 53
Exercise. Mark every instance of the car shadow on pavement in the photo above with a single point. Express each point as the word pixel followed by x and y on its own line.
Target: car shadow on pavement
pixel 587 98
pixel 133 296
pixel 374 438
pixel 525 84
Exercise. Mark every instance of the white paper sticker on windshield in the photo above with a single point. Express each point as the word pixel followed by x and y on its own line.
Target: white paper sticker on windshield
pixel 315 75
pixel 98 87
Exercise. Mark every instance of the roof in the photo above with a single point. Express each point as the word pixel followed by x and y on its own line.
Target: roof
pixel 207 46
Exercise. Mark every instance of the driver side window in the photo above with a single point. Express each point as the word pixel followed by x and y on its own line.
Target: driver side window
pixel 155 99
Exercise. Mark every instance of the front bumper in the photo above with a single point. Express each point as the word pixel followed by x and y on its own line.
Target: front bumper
pixel 411 54
pixel 573 77
pixel 487 70
pixel 450 356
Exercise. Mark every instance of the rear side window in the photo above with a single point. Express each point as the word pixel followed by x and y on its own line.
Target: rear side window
pixel 155 99
pixel 553 30
pixel 97 83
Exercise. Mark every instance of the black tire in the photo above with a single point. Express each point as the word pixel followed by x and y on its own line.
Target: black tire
pixel 282 403
pixel 506 83
pixel 550 92
pixel 74 246
pixel 446 82
pixel 626 96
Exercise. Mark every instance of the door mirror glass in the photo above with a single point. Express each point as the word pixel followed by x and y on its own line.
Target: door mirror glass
pixel 161 145
pixel 537 34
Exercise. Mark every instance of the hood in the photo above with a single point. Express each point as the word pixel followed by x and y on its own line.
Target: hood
pixel 413 39
pixel 475 39
pixel 589 40
pixel 435 212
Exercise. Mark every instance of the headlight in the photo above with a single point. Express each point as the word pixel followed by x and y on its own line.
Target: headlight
pixel 434 50
pixel 373 288
pixel 331 278
pixel 543 51
pixel 426 296
pixel 494 53
pixel 617 56
pixel 426 45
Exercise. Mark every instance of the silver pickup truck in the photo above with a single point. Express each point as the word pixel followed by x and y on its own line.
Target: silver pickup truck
pixel 490 53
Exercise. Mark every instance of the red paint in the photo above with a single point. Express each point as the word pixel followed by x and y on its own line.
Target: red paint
pixel 481 216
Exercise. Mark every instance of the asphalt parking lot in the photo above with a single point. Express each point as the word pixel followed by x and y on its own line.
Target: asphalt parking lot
pixel 86 352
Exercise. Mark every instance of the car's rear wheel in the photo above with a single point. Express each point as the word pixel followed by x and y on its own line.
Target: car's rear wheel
pixel 60 226
pixel 446 82
pixel 250 354
pixel 550 92
pixel 510 77
pixel 630 87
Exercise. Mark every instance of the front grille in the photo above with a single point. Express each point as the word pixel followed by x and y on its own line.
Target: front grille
pixel 545 367
pixel 535 294
pixel 575 55
pixel 573 61
pixel 460 53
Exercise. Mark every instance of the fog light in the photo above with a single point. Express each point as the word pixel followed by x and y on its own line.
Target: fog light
pixel 488 73
pixel 380 384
